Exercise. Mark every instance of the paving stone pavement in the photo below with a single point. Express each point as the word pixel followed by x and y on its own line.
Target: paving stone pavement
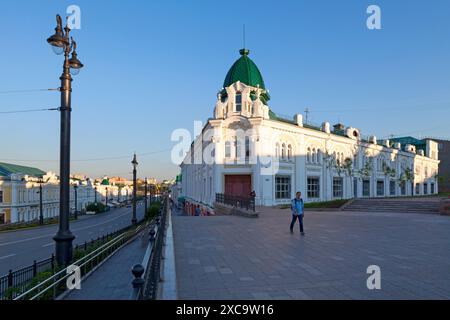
pixel 230 257
pixel 112 281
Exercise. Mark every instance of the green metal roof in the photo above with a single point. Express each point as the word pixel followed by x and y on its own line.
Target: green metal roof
pixel 419 144
pixel 245 71
pixel 7 169
pixel 105 182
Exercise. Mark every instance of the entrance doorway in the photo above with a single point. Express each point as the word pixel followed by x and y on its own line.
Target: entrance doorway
pixel 238 185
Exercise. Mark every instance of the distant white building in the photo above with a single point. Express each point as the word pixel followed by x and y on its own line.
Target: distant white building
pixel 277 156
pixel 20 199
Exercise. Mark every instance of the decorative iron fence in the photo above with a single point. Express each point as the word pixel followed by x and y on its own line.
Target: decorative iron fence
pixel 236 201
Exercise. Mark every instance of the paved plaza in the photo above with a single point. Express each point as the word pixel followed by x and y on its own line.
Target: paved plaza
pixel 230 257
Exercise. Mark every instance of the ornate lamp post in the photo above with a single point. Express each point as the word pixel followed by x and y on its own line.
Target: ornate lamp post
pixel 62 43
pixel 135 163
pixel 106 198
pixel 41 213
pixel 95 195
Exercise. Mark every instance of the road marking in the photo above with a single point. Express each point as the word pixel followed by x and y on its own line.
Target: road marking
pixel 8 256
pixel 48 244
pixel 76 229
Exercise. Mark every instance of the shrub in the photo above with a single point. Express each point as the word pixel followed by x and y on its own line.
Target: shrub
pixel 96 207
pixel 153 210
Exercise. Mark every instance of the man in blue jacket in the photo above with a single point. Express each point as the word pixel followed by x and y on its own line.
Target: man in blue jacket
pixel 297 208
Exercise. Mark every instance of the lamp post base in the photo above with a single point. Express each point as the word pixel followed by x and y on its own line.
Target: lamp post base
pixel 63 247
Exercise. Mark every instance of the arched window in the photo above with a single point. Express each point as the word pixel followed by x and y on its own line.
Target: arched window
pixel 314 155
pixel 227 149
pixel 277 150
pixel 283 151
pixel 319 156
pixel 308 155
pixel 238 102
pixel 289 152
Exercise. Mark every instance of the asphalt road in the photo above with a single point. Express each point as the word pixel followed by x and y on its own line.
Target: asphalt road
pixel 19 248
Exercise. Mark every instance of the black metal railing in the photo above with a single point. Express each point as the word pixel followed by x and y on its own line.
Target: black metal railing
pixel 236 201
pixel 147 274
pixel 16 281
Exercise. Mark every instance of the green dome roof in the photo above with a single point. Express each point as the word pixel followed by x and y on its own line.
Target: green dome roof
pixel 245 71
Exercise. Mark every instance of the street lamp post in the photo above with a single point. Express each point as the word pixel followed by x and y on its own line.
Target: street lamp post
pixel 95 195
pixel 145 196
pixel 62 43
pixel 135 163
pixel 75 188
pixel 106 198
pixel 41 213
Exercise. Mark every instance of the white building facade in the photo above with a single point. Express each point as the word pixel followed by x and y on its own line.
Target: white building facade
pixel 246 147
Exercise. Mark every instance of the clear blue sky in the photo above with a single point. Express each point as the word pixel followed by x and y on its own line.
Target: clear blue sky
pixel 154 66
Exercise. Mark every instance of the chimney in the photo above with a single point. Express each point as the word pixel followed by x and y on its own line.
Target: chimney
pixel 338 127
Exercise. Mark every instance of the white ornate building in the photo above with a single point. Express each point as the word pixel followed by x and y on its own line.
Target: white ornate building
pixel 246 147
pixel 20 198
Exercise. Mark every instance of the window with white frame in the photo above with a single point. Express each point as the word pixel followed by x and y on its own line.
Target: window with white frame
pixel 380 188
pixel 392 188
pixel 313 187
pixel 227 149
pixel 283 151
pixel 308 155
pixel 238 102
pixel 282 187
pixel 338 187
pixel 277 150
pixel 366 188
pixel 289 152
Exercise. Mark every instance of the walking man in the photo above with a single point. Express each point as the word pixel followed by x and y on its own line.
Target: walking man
pixel 297 208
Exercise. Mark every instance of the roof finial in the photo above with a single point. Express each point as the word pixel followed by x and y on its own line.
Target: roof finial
pixel 243 34
pixel 243 51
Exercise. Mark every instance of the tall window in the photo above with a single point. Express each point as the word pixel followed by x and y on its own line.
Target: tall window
pixel 282 187
pixel 432 189
pixel 417 188
pixel 392 188
pixel 227 149
pixel 337 187
pixel 1 196
pixel 308 155
pixel 313 187
pixel 289 151
pixel 247 147
pixel 319 156
pixel 380 188
pixel 403 188
pixel 238 102
pixel 238 149
pixel 283 151
pixel 425 188
pixel 366 188
pixel 277 150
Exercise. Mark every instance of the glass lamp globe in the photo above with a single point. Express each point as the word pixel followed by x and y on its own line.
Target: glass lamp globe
pixel 74 72
pixel 58 50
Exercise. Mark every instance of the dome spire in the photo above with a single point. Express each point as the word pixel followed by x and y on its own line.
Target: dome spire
pixel 244 52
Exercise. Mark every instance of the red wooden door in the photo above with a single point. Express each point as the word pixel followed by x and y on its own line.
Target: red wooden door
pixel 238 185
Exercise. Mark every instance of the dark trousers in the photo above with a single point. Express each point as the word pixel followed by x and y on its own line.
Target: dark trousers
pixel 300 221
